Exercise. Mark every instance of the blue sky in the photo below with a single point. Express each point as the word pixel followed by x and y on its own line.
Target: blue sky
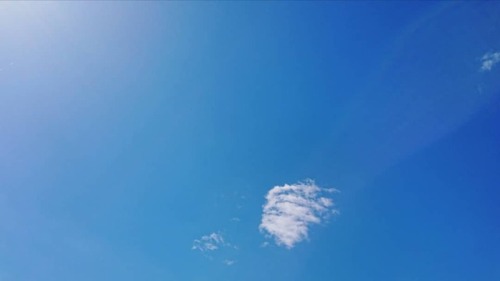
pixel 249 141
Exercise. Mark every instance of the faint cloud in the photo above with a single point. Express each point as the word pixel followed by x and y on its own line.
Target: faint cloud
pixel 489 60
pixel 264 244
pixel 210 242
pixel 291 209
pixel 235 219
pixel 7 67
pixel 229 262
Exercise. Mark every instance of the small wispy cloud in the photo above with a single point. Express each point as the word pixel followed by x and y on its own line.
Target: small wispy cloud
pixel 291 209
pixel 210 242
pixel 489 60
pixel 214 247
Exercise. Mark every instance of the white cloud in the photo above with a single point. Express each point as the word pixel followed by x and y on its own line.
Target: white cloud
pixel 210 242
pixel 291 209
pixel 489 60
pixel 229 262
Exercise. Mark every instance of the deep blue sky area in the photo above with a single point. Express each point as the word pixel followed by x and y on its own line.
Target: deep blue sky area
pixel 178 140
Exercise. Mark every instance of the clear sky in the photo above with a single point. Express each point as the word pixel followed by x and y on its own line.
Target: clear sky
pixel 250 141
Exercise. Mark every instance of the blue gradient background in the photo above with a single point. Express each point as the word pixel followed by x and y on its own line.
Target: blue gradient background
pixel 129 129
